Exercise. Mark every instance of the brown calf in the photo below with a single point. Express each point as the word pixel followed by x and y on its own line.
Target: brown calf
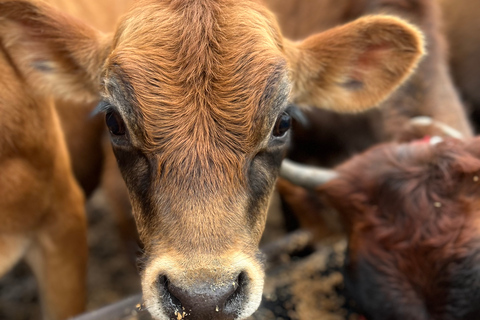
pixel 195 94
pixel 87 140
pixel 63 294
pixel 84 134
pixel 41 206
pixel 411 212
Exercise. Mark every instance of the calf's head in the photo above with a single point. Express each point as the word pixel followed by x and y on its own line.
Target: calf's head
pixel 196 95
pixel 412 214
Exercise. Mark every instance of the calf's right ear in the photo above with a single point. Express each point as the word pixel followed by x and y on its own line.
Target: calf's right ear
pixel 356 66
pixel 55 53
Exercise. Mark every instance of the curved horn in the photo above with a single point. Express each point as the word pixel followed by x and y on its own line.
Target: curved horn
pixel 446 129
pixel 305 176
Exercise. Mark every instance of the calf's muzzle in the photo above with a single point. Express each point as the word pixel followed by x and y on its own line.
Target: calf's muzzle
pixel 203 300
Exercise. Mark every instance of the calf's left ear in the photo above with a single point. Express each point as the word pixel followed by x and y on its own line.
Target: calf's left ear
pixel 55 53
pixel 356 66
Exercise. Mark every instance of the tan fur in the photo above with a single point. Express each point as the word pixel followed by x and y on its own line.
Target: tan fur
pixel 60 269
pixel 199 85
pixel 41 207
pixel 74 77
pixel 357 64
pixel 12 249
pixel 102 15
pixel 84 134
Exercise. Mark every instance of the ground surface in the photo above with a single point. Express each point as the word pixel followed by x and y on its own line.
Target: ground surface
pixel 111 275
pixel 304 285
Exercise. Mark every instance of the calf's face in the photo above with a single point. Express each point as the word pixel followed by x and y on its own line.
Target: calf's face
pixel 412 217
pixel 196 97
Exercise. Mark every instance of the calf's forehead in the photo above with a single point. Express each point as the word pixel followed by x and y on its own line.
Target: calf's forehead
pixel 204 76
pixel 215 65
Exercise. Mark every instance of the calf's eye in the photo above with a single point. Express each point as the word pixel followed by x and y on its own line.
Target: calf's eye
pixel 283 124
pixel 115 124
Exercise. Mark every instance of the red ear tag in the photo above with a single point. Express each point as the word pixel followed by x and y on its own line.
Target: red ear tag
pixel 426 139
pixel 432 140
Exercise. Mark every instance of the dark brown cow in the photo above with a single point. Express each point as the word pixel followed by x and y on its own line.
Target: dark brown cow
pixel 196 94
pixel 298 181
pixel 412 214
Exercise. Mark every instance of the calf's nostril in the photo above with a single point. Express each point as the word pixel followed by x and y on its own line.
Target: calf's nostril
pixel 236 298
pixel 169 301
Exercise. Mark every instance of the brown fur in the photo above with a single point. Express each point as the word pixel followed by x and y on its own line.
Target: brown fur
pixel 311 211
pixel 62 276
pixel 193 88
pixel 299 19
pixel 85 135
pixel 199 85
pixel 360 87
pixel 42 207
pixel 103 15
pixel 411 212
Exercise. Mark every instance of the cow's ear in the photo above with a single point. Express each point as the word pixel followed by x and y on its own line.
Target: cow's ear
pixel 356 66
pixel 53 52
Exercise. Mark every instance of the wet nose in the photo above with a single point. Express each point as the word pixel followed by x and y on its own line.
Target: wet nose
pixel 203 301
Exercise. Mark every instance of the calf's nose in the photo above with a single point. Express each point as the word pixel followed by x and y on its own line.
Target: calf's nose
pixel 203 301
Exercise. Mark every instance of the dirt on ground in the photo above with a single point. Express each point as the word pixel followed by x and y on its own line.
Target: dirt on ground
pixel 303 283
pixel 112 274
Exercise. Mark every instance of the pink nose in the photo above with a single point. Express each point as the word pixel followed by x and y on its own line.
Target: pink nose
pixel 203 301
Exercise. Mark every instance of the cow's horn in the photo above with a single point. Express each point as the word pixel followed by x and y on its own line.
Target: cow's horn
pixel 444 128
pixel 305 176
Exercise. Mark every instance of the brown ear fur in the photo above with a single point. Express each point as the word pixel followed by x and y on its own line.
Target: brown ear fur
pixel 54 52
pixel 356 66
